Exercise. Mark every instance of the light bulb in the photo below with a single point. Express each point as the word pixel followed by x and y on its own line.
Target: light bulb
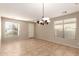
pixel 46 18
pixel 41 21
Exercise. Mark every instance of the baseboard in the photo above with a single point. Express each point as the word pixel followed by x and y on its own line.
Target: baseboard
pixel 62 43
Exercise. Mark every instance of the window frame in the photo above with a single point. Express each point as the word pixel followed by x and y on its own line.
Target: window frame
pixel 63 24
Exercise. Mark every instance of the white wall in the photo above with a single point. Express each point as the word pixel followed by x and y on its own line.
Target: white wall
pixel 46 32
pixel 0 32
pixel 31 30
pixel 23 29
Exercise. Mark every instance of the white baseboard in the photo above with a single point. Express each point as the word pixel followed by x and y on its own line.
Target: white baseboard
pixel 62 43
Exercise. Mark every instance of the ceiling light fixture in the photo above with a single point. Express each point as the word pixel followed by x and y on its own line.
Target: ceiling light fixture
pixel 44 20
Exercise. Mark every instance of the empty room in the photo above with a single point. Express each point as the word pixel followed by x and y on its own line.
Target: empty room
pixel 39 29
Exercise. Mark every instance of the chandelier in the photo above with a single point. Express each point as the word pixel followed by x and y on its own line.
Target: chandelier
pixel 43 20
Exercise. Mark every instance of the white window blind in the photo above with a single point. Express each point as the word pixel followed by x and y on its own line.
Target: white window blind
pixel 65 28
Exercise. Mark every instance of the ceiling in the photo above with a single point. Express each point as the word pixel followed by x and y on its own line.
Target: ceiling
pixel 33 11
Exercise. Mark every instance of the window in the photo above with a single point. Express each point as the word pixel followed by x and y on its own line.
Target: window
pixel 65 28
pixel 59 28
pixel 11 29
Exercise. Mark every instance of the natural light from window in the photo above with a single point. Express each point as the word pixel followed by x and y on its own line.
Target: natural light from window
pixel 11 29
pixel 65 28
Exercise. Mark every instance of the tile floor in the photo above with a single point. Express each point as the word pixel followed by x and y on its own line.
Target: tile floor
pixel 36 47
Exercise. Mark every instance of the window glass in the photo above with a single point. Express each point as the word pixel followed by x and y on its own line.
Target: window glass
pixel 59 31
pixel 65 29
pixel 11 29
pixel 69 30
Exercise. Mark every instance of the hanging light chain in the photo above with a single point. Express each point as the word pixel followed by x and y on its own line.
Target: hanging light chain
pixel 43 20
pixel 43 10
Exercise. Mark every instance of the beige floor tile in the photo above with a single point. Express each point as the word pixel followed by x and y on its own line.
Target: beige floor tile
pixel 36 47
